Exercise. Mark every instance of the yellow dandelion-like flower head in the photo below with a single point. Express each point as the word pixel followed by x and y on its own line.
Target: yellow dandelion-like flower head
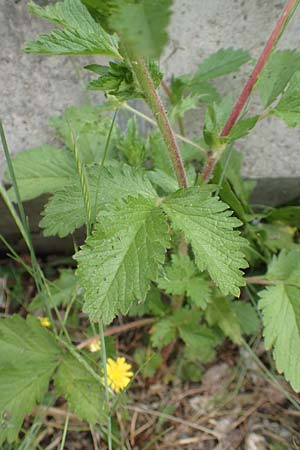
pixel 44 321
pixel 118 374
pixel 94 346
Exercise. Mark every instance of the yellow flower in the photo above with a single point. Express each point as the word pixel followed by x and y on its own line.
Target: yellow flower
pixel 94 346
pixel 44 321
pixel 118 374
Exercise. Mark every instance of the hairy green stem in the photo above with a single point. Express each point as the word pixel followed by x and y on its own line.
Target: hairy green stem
pixel 154 102
pixel 283 21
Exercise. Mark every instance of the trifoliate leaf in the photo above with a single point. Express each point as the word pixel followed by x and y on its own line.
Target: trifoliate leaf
pixel 223 62
pixel 247 317
pixel 62 291
pixel 65 211
pixel 278 71
pixel 142 26
pixel 288 107
pixel 80 33
pixel 281 315
pixel 182 277
pixel 89 126
pixel 84 393
pixel 220 313
pixel 122 256
pixel 207 224
pixel 28 358
pixel 42 170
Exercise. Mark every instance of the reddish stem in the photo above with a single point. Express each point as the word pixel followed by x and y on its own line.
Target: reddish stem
pixel 239 106
pixel 116 330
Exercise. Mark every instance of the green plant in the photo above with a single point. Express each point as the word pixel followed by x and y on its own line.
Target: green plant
pixel 161 221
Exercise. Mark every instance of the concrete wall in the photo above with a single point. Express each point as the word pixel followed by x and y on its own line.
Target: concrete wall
pixel 33 88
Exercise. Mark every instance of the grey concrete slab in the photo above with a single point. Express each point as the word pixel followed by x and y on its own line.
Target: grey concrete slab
pixel 34 87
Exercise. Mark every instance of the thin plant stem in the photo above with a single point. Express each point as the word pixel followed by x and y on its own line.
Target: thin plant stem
pixel 169 95
pixel 104 363
pixel 283 21
pixel 154 102
pixel 102 164
pixel 87 204
pixel 83 182
pixel 22 223
pixel 64 436
pixel 117 329
pixel 272 379
pixel 152 122
pixel 80 359
pixel 15 257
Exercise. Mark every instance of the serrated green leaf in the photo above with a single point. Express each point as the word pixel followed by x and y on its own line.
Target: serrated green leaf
pixel 242 127
pixel 207 224
pixel 182 107
pixel 281 314
pixel 200 342
pixel 122 256
pixel 148 361
pixel 287 214
pixel 61 291
pixel 89 126
pixel 28 358
pixel 219 312
pixel 223 62
pixel 65 211
pixel 281 318
pixel 42 170
pixel 159 154
pixel 206 92
pixel 181 277
pixel 142 26
pixel 285 267
pixel 163 333
pixel 288 107
pixel 247 317
pixel 278 71
pixel 117 80
pixel 277 236
pixel 153 305
pixel 80 33
pixel 234 190
pixel 85 395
